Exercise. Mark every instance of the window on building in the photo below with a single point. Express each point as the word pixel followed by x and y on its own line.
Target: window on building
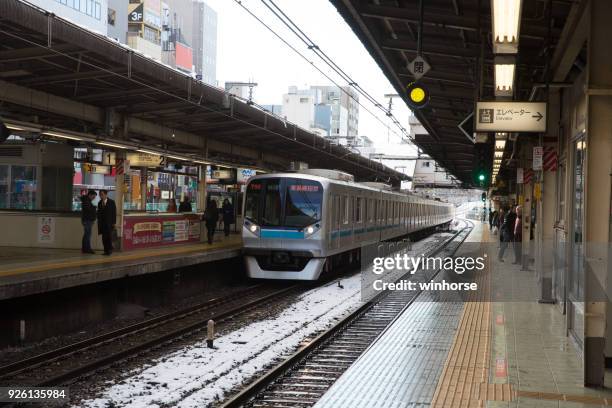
pixel 98 11
pixel 112 15
pixel 425 164
pixel 89 7
pixel 303 100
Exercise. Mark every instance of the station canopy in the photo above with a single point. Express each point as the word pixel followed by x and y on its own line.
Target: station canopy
pixel 62 76
pixel 457 44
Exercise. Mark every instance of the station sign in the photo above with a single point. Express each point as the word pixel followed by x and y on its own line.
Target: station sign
pixel 244 175
pixel 418 67
pixel 94 168
pixel 511 116
pixel 140 159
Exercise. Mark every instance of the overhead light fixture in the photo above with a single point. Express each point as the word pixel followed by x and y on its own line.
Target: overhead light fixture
pixel 177 157
pixel 62 135
pixel 13 127
pixel 504 77
pixel 147 151
pixel 499 154
pixel 200 162
pixel 118 146
pixel 506 25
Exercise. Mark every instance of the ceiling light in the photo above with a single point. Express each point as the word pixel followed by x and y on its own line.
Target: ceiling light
pixel 61 135
pixel 499 155
pixel 506 25
pixel 147 151
pixel 176 157
pixel 504 79
pixel 118 146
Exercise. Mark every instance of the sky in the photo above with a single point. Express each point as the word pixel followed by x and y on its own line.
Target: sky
pixel 248 52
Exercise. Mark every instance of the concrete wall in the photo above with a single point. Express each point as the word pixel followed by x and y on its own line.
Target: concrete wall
pixel 78 13
pixel 23 227
pixel 119 30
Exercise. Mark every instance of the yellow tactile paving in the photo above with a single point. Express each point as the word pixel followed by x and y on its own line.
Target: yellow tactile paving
pixel 120 257
pixel 464 379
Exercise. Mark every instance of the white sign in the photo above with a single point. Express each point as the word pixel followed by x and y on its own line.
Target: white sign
pixel 222 174
pixel 511 116
pixel 519 175
pixel 538 153
pixel 404 185
pixel 244 175
pixel 418 67
pixel 46 230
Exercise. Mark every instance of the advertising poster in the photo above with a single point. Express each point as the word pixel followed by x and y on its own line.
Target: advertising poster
pixel 46 230
pixel 151 231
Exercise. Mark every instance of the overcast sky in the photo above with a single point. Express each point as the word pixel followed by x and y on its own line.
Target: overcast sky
pixel 247 51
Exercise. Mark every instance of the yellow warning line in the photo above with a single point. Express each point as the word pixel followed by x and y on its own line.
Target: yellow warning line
pixel 464 379
pixel 142 254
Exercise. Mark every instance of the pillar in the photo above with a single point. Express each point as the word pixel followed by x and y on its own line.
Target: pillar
pixel 597 328
pixel 202 189
pixel 143 188
pixel 546 207
pixel 120 189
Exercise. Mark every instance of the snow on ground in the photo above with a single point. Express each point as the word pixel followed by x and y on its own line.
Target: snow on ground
pixel 197 376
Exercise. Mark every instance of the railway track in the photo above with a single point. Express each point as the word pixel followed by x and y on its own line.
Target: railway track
pixel 70 362
pixel 301 380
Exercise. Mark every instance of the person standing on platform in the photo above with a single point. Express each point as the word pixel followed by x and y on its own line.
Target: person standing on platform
pixel 518 235
pixel 490 219
pixel 171 208
pixel 506 234
pixel 228 216
pixel 185 205
pixel 107 220
pixel 211 217
pixel 88 217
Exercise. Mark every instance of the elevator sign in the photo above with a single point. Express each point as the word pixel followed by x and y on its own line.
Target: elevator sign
pixel 511 116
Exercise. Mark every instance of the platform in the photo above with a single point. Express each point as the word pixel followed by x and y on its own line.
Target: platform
pixel 510 353
pixel 28 271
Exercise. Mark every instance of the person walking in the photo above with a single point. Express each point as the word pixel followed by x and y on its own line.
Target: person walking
pixel 506 234
pixel 211 216
pixel 185 205
pixel 228 216
pixel 107 220
pixel 88 217
pixel 518 235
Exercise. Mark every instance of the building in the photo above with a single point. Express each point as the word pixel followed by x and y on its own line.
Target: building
pixel 145 27
pixel 176 49
pixel 117 20
pixel 328 109
pixel 345 119
pixel 91 14
pixel 196 24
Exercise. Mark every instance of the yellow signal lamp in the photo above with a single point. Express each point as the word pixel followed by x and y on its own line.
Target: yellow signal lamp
pixel 418 95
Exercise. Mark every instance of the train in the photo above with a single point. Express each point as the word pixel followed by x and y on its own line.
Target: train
pixel 298 225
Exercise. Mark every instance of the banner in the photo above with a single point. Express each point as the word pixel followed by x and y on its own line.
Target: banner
pixel 152 231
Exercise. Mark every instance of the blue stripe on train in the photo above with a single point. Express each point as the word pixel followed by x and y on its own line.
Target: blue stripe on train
pixel 283 234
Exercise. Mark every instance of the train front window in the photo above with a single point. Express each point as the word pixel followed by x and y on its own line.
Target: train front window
pixel 252 200
pixel 271 214
pixel 303 203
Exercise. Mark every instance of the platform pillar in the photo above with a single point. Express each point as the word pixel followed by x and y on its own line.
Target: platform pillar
pixel 545 206
pixel 120 188
pixel 597 271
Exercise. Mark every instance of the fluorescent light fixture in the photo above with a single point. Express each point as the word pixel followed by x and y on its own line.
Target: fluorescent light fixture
pixel 147 151
pixel 506 25
pixel 176 157
pixel 13 127
pixel 499 154
pixel 200 162
pixel 504 79
pixel 62 135
pixel 118 146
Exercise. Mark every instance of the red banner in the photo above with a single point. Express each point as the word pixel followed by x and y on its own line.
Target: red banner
pixel 152 231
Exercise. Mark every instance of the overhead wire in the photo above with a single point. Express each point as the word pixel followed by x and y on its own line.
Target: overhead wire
pixel 296 30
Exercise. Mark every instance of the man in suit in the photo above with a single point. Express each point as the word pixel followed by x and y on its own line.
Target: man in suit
pixel 107 219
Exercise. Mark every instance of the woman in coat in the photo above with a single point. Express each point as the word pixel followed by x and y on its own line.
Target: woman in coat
pixel 228 216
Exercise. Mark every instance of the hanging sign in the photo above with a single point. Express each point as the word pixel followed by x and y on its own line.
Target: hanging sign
pixel 519 175
pixel 418 67
pixel 538 152
pixel 511 116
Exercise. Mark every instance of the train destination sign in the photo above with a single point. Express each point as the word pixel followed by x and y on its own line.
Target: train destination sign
pixel 511 116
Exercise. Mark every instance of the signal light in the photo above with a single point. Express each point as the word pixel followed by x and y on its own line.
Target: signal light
pixel 484 196
pixel 418 95
pixel 481 177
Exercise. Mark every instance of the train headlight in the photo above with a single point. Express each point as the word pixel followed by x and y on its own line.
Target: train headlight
pixel 253 228
pixel 311 229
